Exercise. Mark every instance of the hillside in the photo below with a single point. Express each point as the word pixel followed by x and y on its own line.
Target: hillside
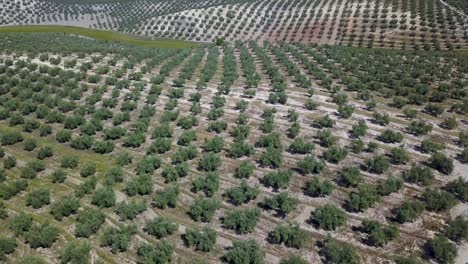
pixel 281 153
pixel 407 24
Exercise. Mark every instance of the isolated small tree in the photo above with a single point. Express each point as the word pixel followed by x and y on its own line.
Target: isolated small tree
pixel 166 197
pixel 242 221
pixel 329 217
pixel 104 197
pixel 290 234
pixel 203 210
pixel 203 240
pixel 339 253
pixel 317 188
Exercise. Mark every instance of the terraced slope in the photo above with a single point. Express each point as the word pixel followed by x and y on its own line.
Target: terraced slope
pixel 408 24
pixel 179 154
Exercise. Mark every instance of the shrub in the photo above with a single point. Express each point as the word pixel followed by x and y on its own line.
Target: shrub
pixel 324 121
pixel 457 229
pixel 148 165
pixel 418 174
pixel 117 239
pixel 378 164
pixel 160 253
pixel 409 211
pixel 166 197
pixel 160 227
pixel 339 253
pixel 114 174
pixel 442 250
pixel 291 235
pixel 103 147
pixel 142 185
pixel 88 222
pixel 301 146
pixel 329 217
pixel 7 246
pixel 439 200
pixel 242 221
pixel 419 128
pixel 9 162
pixel 203 240
pixel 88 169
pixel 29 144
pixel 209 162
pixel 245 170
pixel 381 119
pixel 202 210
pixel 282 203
pixel 38 198
pixel 241 194
pixel 359 130
pixel 310 164
pixel 45 152
pixel 293 259
pixel 63 136
pixel 277 180
pixel 86 187
pixel 70 162
pixel 129 210
pixel 21 224
pixel 378 234
pixel 240 149
pixel 389 136
pixel 399 156
pixel 459 188
pixel 65 207
pixel 316 188
pixel 335 154
pixel 42 236
pixel 433 109
pixel 327 139
pixel 247 251
pixel 390 185
pixel 104 197
pixel 365 197
pixel 208 184
pixel 75 252
pixel 441 163
pixel 82 142
pixel 12 188
pixel 350 176
pixel 463 156
pixel 10 138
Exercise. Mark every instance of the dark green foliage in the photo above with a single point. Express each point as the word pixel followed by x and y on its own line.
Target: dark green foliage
pixel 329 217
pixel 242 221
pixel 114 174
pixel 123 158
pixel 66 206
pixel 70 162
pixel 215 144
pixel 21 224
pixel 335 154
pixel 148 165
pixel 166 197
pixel 294 259
pixel 9 162
pixel 45 152
pixel 418 174
pixel 272 158
pixel 339 253
pixel 381 119
pixel 441 163
pixel 310 164
pixel 186 137
pixel 317 188
pixel 160 227
pixel 327 139
pixel 463 156
pixel 42 236
pixel 58 176
pixel 407 260
pixel 117 239
pixel 324 121
pixel 247 251
pixel 301 146
pixel 390 136
pixel 10 137
pixel 241 194
pixel 457 229
pixel 359 129
pixel 277 180
pixel 356 146
pixel 29 144
pixel 208 184
pixel 390 185
pixel 245 170
pixel 439 200
pixel 75 252
pixel 63 136
pixel 86 187
pixel 442 250
pixel 104 197
pixel 459 188
pixel 399 156
pixel 12 188
pixel 240 148
pixel 160 253
pixel 28 173
pixel 82 143
pixel 129 210
pixel 209 162
pixel 365 197
pixel 142 185
pixel 350 176
pixel 7 246
pixel 88 222
pixel 433 109
pixel 378 165
pixel 282 203
pixel 103 147
pixel 88 169
pixel 203 209
pixel 290 234
pixel 203 240
pixel 419 128
pixel 38 198
pixel 409 211
pixel 379 235
pixel 3 211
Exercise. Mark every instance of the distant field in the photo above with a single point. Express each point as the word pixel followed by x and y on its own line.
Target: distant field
pixel 102 35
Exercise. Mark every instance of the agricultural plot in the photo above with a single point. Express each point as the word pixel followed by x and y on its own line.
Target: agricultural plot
pixel 406 24
pixel 281 153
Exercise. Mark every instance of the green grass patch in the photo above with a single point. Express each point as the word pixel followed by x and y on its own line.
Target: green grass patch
pixel 104 35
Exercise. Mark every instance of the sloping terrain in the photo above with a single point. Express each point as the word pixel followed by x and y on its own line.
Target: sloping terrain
pixel 408 24
pixel 334 154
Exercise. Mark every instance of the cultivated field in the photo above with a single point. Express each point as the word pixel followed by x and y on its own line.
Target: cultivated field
pixel 407 24
pixel 242 153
